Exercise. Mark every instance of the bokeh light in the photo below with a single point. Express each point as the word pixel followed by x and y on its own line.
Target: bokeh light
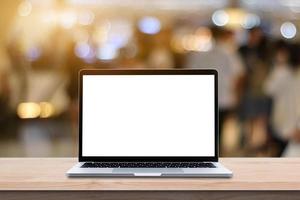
pixel 149 25
pixel 24 8
pixel 28 110
pixel 220 18
pixel 47 109
pixel 68 19
pixel 107 52
pixel 288 30
pixel 82 50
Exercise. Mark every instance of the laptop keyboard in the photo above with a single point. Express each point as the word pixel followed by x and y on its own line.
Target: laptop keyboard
pixel 148 165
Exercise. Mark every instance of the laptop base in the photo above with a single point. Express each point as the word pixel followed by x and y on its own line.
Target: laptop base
pixel 219 171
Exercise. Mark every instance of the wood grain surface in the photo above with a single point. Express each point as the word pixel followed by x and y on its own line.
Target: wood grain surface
pixel 48 174
pixel 147 195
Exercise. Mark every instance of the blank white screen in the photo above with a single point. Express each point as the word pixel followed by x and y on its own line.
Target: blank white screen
pixel 148 115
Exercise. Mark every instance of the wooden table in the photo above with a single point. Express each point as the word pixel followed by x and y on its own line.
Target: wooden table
pixel 254 178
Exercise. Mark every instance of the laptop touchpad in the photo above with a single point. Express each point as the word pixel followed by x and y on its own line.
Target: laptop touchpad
pixel 147 170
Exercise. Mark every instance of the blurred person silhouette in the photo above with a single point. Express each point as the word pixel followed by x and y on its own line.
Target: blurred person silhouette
pixel 255 106
pixel 278 86
pixel 291 130
pixel 257 59
pixel 256 48
pixel 293 147
pixel 224 58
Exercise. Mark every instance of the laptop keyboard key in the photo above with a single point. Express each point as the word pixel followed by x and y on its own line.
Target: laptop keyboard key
pixel 148 165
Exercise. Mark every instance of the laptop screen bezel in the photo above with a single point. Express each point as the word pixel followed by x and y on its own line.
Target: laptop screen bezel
pixel 149 72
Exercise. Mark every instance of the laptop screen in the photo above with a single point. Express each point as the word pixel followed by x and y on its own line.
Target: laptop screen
pixel 148 115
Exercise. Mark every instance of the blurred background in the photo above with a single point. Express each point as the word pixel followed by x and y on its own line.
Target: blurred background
pixel 254 44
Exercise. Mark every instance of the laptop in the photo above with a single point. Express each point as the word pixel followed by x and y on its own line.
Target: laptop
pixel 148 123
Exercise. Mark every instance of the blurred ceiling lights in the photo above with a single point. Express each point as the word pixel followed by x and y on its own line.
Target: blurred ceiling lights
pixel 220 18
pixel 82 50
pixel 30 110
pixel 47 110
pixel 199 40
pixel 107 52
pixel 288 30
pixel 235 18
pixel 98 36
pixel 104 41
pixel 149 25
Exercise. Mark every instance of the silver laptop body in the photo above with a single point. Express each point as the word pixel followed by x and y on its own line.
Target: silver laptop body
pixel 148 123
